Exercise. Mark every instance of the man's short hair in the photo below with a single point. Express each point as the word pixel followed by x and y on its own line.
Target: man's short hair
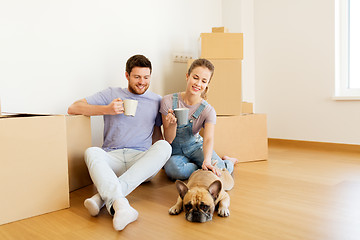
pixel 138 61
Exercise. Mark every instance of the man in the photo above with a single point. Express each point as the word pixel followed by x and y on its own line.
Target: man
pixel 127 157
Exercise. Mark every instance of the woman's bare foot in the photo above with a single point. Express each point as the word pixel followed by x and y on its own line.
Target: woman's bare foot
pixel 233 160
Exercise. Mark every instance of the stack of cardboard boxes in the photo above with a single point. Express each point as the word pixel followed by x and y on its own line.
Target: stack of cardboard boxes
pixel 239 132
pixel 42 159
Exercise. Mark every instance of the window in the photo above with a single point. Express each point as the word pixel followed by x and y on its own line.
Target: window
pixel 347 49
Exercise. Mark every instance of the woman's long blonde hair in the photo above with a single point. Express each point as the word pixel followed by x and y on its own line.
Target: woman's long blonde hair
pixel 202 62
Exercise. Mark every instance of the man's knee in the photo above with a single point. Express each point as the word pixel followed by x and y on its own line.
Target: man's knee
pixel 91 154
pixel 164 147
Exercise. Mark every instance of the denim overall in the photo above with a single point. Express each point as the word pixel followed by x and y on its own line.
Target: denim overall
pixel 187 149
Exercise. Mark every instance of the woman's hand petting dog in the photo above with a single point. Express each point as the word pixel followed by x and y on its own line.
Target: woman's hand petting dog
pixel 211 166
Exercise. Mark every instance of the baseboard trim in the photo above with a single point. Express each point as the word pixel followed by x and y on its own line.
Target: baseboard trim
pixel 314 145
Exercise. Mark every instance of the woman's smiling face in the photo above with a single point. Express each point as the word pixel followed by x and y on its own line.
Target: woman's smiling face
pixel 198 80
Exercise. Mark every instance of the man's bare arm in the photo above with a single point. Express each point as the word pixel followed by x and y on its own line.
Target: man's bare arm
pixel 81 107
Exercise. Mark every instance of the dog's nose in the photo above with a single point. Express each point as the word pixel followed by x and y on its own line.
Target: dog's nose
pixel 196 216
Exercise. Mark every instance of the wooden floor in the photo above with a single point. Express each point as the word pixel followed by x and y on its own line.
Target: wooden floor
pixel 299 193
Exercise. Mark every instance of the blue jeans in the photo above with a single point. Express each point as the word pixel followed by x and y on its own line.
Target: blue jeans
pixel 188 156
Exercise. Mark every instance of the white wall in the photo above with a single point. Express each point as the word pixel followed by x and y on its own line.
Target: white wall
pixel 55 52
pixel 294 68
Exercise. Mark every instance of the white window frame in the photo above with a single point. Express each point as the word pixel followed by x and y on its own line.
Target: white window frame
pixel 342 90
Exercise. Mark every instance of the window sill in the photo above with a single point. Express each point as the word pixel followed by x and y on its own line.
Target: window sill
pixel 346 98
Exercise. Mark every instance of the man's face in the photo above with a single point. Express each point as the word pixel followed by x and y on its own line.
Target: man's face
pixel 139 80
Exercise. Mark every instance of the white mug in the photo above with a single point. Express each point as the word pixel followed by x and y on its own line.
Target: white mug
pixel 130 106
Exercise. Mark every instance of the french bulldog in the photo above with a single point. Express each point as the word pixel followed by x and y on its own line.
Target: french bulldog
pixel 203 193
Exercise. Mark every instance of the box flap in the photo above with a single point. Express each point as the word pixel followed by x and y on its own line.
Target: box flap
pixel 21 115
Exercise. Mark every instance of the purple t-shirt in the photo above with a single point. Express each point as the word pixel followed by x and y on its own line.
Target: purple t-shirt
pixel 122 131
pixel 208 115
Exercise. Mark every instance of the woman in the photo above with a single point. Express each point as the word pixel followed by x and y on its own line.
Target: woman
pixel 189 150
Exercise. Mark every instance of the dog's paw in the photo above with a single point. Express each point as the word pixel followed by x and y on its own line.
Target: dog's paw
pixel 175 210
pixel 223 212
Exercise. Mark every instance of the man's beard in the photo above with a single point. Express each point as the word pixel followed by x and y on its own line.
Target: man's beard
pixel 138 91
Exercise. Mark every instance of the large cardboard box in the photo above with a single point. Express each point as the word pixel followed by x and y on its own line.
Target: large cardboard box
pixel 222 45
pixel 34 168
pixel 78 130
pixel 243 137
pixel 224 92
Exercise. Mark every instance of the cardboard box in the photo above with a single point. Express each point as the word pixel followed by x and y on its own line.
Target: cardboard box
pixel 34 168
pixel 78 130
pixel 224 92
pixel 243 137
pixel 220 30
pixel 222 45
pixel 247 107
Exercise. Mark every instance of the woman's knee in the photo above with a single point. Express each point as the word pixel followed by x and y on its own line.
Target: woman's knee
pixel 176 169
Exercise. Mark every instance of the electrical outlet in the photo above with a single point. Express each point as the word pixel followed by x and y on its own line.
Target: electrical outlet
pixel 181 58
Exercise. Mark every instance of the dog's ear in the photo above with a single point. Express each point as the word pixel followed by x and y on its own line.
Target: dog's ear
pixel 215 188
pixel 182 188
